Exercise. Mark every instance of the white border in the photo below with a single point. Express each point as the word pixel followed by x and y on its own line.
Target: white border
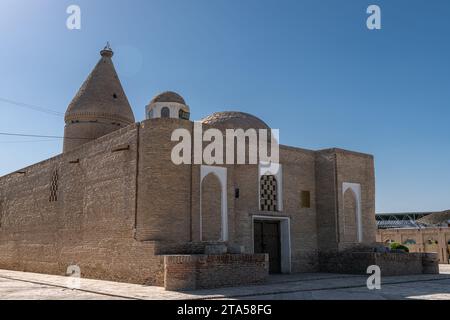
pixel 285 239
pixel 220 173
pixel 356 188
pixel 174 108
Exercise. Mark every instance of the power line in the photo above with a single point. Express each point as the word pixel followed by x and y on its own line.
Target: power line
pixel 32 107
pixel 39 136
pixel 26 141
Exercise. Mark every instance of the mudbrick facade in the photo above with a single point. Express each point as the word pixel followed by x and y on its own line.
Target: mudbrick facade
pixel 429 240
pixel 116 205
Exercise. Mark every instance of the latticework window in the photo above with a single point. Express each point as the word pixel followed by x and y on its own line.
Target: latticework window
pixel 269 195
pixel 54 187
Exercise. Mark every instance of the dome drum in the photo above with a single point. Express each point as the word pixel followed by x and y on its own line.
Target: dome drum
pixel 168 105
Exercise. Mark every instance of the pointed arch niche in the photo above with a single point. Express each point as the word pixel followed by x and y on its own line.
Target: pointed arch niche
pixel 221 174
pixel 353 190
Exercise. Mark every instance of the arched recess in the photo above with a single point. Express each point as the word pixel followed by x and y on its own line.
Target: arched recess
pixel 211 208
pixel 350 228
pixel 209 177
pixel 351 193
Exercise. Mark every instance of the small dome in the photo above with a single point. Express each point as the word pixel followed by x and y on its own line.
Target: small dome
pixel 235 120
pixel 168 96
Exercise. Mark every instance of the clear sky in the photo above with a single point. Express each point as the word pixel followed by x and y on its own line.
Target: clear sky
pixel 309 68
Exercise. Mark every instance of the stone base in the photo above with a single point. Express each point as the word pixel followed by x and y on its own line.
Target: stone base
pixel 216 249
pixel 191 272
pixel 391 264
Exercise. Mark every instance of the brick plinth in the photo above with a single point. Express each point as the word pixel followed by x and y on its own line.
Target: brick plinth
pixel 190 272
pixel 391 264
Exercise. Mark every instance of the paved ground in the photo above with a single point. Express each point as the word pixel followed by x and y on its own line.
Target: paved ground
pixel 20 285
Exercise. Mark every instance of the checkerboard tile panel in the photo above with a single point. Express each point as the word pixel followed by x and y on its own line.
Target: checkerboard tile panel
pixel 54 187
pixel 269 195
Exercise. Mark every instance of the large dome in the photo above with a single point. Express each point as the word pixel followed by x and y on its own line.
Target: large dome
pixel 235 120
pixel 168 96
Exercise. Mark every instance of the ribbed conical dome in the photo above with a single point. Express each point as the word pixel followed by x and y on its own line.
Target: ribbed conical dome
pixel 101 95
pixel 100 106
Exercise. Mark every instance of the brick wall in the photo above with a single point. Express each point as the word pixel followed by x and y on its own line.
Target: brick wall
pixel 164 189
pixel 353 167
pixel 92 222
pixel 333 168
pixel 190 272
pixel 119 208
pixel 422 238
pixel 298 175
pixel 326 204
pixel 391 264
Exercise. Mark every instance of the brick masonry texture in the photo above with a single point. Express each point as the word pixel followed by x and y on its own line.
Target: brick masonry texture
pixel 211 271
pixel 116 205
pixel 392 264
pixel 122 205
pixel 92 223
pixel 428 240
pixel 211 208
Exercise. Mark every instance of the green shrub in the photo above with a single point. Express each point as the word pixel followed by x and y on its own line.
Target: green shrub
pixel 398 246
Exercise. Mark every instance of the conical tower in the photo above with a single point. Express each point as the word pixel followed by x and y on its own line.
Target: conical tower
pixel 100 106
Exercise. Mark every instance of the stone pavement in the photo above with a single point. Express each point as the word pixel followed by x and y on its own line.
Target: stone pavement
pixel 311 286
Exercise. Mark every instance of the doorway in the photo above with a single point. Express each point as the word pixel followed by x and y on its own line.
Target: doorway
pixel 267 239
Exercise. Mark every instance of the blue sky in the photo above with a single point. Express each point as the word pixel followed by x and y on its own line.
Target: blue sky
pixel 310 68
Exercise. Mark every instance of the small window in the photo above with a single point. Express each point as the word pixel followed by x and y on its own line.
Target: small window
pixel 115 96
pixel 184 115
pixel 54 187
pixel 165 112
pixel 306 199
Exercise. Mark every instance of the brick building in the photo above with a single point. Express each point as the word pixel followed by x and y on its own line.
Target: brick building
pixel 421 232
pixel 115 204
pixel 429 240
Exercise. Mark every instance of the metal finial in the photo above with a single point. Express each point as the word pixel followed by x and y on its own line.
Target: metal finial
pixel 107 51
